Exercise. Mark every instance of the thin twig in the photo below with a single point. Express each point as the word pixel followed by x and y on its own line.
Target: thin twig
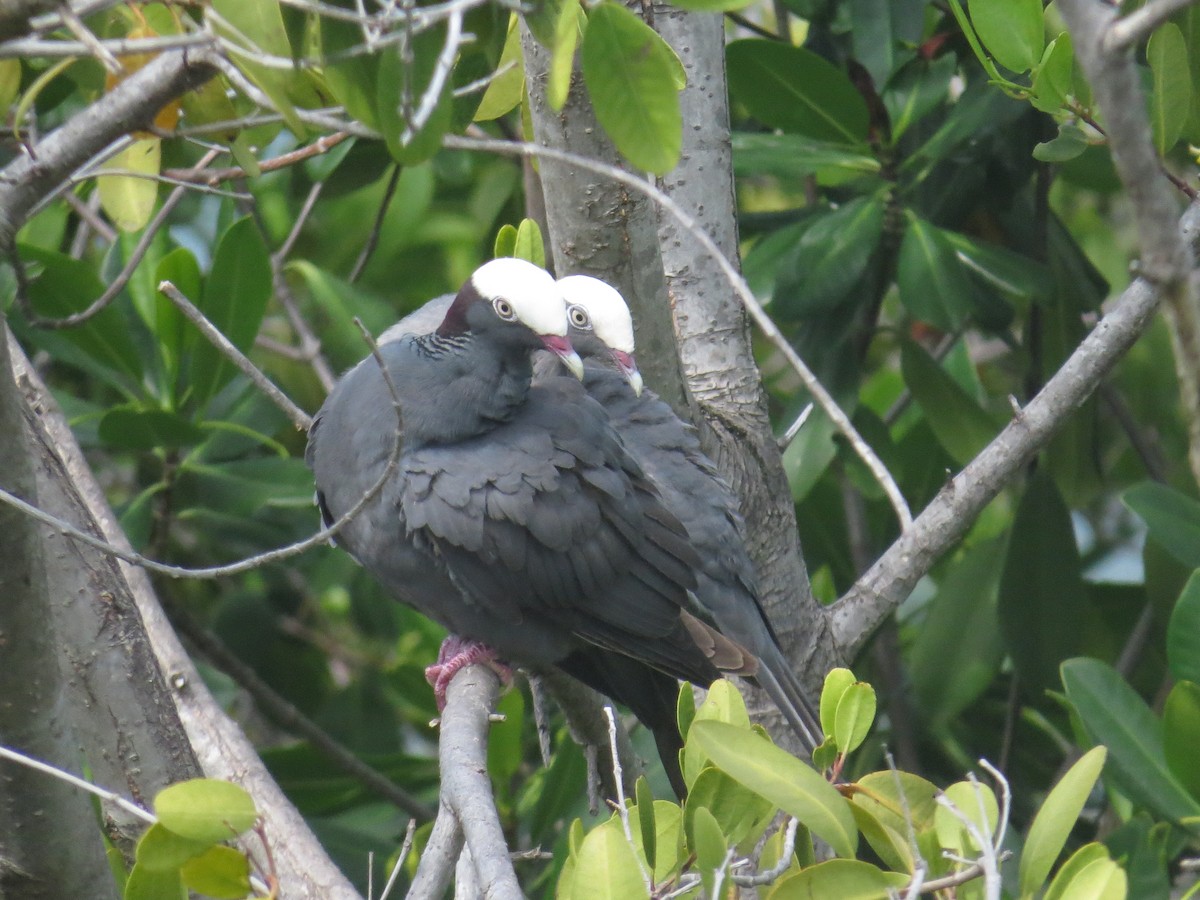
pixel 84 35
pixel 441 72
pixel 323 144
pixel 1131 29
pixel 376 228
pixel 769 329
pixel 35 48
pixel 405 848
pixel 622 809
pixel 301 419
pixel 45 768
pixel 771 875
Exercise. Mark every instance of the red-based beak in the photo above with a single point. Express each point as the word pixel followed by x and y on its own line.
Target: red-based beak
pixel 561 347
pixel 629 369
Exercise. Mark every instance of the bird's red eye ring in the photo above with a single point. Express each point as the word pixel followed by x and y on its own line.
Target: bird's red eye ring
pixel 504 309
pixel 579 316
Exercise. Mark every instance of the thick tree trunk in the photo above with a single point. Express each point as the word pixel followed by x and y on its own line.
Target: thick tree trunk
pixel 144 714
pixel 50 843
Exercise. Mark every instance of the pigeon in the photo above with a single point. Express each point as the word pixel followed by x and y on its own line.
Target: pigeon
pixel 516 517
pixel 668 450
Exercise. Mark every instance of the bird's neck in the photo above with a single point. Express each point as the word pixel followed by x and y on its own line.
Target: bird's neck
pixel 477 386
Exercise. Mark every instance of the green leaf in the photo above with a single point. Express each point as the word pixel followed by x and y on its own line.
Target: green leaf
pixel 1012 31
pixel 667 840
pixel 837 682
pixel 506 242
pixel 1069 143
pixel 977 803
pixel 884 804
pixel 846 879
pixel 645 813
pixel 181 269
pixel 1181 734
pixel 1089 875
pixel 153 884
pixel 1058 814
pixel 1115 716
pixel 855 715
pixel 571 24
pixel 506 90
pixel 708 843
pixel 795 90
pixel 138 428
pixel 778 776
pixel 739 812
pixel 1171 97
pixel 129 199
pixel 831 257
pixel 722 703
pixel 351 79
pixel 258 28
pixel 407 145
pixel 1052 80
pixel 204 809
pixel 1183 633
pixel 161 850
pixel 630 78
pixel 961 425
pixel 685 708
pixel 712 5
pixel 917 90
pixel 221 872
pixel 797 156
pixel 1173 519
pixel 528 245
pixel 606 867
pixel 1014 274
pixel 933 284
pixel 234 300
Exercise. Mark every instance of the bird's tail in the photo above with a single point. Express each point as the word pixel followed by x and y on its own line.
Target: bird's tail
pixel 776 677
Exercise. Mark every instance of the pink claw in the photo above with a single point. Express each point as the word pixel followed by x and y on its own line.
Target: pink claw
pixel 455 653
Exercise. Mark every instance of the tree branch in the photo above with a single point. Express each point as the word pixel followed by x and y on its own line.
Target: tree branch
pixel 1133 28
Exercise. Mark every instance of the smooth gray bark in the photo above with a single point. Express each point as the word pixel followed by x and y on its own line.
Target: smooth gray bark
pixel 50 842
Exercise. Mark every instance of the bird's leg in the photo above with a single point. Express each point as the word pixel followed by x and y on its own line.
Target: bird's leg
pixel 457 652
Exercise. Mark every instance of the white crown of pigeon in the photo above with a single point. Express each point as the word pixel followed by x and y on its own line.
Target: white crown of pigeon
pixel 611 321
pixel 531 290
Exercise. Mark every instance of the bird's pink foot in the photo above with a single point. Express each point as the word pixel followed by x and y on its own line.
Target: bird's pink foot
pixel 456 653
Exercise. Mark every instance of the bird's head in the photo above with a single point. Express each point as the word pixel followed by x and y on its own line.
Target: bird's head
pixel 600 323
pixel 515 302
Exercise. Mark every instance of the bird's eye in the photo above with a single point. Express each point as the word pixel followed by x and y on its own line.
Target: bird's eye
pixel 504 309
pixel 579 317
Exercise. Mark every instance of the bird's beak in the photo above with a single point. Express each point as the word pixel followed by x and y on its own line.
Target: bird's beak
pixel 561 347
pixel 629 369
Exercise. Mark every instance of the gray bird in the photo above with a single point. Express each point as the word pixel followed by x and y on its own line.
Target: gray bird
pixel 669 452
pixel 517 518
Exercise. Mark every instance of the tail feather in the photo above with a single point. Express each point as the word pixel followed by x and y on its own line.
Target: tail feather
pixel 776 677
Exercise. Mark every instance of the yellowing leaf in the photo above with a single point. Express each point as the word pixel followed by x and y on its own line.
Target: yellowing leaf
pixel 128 199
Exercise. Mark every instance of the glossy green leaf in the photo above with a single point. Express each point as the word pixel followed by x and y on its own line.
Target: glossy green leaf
pixel 917 90
pixel 933 284
pixel 797 155
pixel 882 30
pixel 724 704
pixel 352 79
pixel 166 322
pixel 567 32
pixel 739 812
pixel 846 879
pixel 1171 95
pixel 961 425
pixel 529 245
pixel 204 809
pixel 1173 519
pixel 829 260
pixel 506 90
pixel 407 144
pixel 162 850
pixel 129 199
pixel 795 90
pixel 1181 734
pixel 1069 143
pixel 221 872
pixel 1042 597
pixel 1013 274
pixel 1115 716
pixel 884 806
pixel 778 776
pixel 1088 875
pixel 506 242
pixel 837 682
pixel 685 708
pixel 630 77
pixel 1011 30
pixel 1183 633
pixel 136 428
pixel 645 813
pixel 234 300
pixel 1057 816
pixel 708 843
pixel 668 839
pixel 855 715
pixel 257 28
pixel 154 884
pixel 606 867
pixel 977 803
pixel 1052 80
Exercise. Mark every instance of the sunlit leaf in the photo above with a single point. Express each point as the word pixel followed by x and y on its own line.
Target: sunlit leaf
pixel 846 879
pixel 1171 97
pixel 506 89
pixel 204 809
pixel 1057 816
